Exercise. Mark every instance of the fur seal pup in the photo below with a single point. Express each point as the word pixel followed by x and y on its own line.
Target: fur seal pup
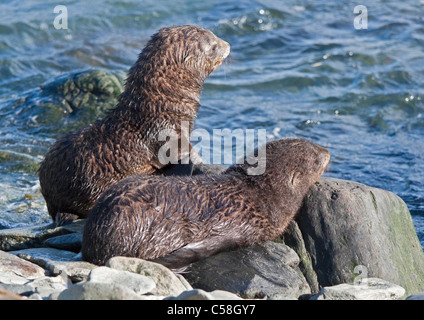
pixel 162 91
pixel 177 220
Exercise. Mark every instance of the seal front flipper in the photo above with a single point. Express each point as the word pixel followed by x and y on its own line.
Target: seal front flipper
pixel 63 218
pixel 195 251
pixel 178 169
pixel 186 161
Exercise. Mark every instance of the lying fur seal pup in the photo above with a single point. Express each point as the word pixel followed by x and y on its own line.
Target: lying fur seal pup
pixel 161 91
pixel 177 220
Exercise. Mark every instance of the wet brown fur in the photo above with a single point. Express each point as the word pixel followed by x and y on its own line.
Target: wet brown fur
pixel 178 220
pixel 162 89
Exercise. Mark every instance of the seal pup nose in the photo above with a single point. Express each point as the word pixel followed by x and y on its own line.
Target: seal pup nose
pixel 225 47
pixel 322 158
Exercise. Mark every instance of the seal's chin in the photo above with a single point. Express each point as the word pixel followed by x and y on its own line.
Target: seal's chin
pixel 216 65
pixel 325 161
pixel 224 52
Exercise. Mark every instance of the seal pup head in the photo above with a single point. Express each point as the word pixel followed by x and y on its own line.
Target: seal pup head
pixel 294 162
pixel 287 162
pixel 178 59
pixel 292 167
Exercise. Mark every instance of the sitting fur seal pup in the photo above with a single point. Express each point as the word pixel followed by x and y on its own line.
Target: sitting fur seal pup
pixel 177 220
pixel 162 90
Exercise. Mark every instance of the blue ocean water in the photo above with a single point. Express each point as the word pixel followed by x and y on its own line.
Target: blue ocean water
pixel 297 68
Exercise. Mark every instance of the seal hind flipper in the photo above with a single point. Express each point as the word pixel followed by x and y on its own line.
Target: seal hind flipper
pixel 195 251
pixel 63 218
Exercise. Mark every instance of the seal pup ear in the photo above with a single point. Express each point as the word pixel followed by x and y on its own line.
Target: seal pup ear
pixel 294 180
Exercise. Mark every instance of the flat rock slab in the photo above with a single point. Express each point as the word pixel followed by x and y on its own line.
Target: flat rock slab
pixel 367 289
pixel 23 238
pixel 45 286
pixel 199 294
pixel 70 242
pixel 10 263
pixel 57 262
pixel 33 237
pixel 97 291
pixel 419 296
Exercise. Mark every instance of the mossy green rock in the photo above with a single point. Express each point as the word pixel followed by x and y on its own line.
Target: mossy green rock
pixel 350 231
pixel 69 102
pixel 87 95
pixel 82 90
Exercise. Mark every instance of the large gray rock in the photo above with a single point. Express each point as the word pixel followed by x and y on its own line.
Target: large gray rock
pixel 167 283
pixel 97 291
pixel 262 270
pixel 72 240
pixel 12 264
pixel 46 286
pixel 138 283
pixel 68 242
pixel 26 278
pixel 348 230
pixel 16 272
pixel 199 294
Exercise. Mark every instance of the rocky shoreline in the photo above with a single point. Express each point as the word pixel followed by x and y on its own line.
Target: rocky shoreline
pixel 49 273
pixel 43 262
pixel 349 241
